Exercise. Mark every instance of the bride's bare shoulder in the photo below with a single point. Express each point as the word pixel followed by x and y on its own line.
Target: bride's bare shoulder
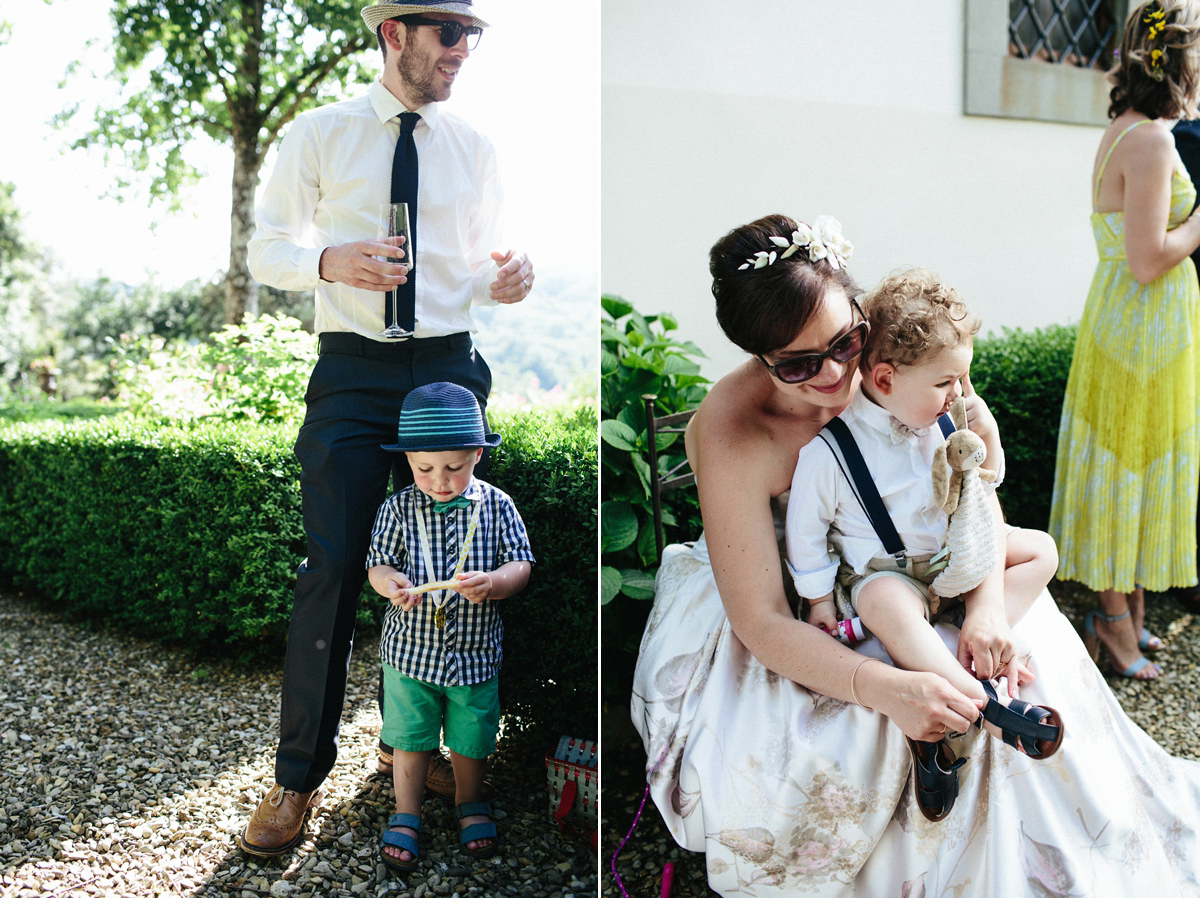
pixel 733 410
pixel 740 426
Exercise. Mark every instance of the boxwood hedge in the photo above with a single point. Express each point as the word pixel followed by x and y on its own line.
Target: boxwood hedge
pixel 191 534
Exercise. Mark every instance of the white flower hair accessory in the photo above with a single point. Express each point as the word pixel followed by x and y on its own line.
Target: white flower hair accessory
pixel 823 240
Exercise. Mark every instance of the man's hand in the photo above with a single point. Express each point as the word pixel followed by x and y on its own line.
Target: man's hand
pixel 515 278
pixel 356 264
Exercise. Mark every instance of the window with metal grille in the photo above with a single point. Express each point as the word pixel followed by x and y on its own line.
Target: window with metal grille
pixel 1081 33
pixel 1043 60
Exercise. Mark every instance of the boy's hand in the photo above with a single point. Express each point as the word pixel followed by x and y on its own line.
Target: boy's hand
pixel 823 614
pixel 474 586
pixel 986 648
pixel 395 588
pixel 980 419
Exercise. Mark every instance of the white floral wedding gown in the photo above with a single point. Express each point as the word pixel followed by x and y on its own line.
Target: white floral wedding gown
pixel 790 793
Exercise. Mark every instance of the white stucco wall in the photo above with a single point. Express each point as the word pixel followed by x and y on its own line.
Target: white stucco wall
pixel 717 113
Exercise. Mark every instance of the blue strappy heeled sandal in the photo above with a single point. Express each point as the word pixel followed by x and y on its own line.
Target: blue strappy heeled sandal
pixel 1148 642
pixel 935 777
pixel 1145 643
pixel 1035 730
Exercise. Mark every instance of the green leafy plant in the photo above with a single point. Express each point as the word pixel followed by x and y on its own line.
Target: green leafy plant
pixel 255 371
pixel 261 369
pixel 638 357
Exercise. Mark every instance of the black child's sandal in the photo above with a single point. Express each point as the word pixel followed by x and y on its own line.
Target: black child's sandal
pixel 1036 730
pixel 935 778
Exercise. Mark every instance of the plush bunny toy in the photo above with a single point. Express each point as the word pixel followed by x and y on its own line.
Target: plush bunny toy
pixel 958 489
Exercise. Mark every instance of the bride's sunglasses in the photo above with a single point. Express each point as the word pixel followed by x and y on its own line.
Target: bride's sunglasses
pixel 451 32
pixel 799 368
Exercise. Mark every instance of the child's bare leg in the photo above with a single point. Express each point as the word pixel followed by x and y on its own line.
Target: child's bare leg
pixel 895 614
pixel 468 786
pixel 891 610
pixel 1030 560
pixel 408 778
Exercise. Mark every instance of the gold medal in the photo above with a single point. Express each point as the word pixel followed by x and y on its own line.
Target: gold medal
pixel 439 618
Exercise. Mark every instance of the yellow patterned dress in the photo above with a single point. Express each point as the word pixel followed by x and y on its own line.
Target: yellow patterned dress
pixel 1125 481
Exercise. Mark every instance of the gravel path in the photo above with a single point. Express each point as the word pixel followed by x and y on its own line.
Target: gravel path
pixel 1167 708
pixel 128 768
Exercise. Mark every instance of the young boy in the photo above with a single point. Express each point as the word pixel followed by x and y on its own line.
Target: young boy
pixel 464 543
pixel 918 348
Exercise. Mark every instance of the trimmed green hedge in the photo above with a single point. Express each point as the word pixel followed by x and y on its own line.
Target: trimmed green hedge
pixel 1023 377
pixel 192 534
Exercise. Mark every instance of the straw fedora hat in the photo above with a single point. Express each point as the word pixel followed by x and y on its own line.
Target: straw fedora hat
pixel 375 14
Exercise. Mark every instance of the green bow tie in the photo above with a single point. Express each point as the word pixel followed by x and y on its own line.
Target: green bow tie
pixel 456 502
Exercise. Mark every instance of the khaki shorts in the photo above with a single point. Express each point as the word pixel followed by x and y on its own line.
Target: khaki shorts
pixel 915 572
pixel 928 599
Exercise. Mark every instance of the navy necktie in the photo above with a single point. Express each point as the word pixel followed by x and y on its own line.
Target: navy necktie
pixel 404 190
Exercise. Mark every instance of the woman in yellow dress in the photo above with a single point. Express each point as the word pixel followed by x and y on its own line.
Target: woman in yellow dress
pixel 1125 482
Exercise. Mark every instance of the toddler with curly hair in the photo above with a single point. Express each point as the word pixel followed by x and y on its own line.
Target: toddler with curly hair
pixel 917 351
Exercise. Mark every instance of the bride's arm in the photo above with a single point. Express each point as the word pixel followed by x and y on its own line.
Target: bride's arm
pixel 734 479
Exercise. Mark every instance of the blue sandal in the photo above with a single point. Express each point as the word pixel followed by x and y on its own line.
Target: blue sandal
pixel 1148 642
pixel 1145 643
pixel 1024 726
pixel 474 832
pixel 935 778
pixel 403 841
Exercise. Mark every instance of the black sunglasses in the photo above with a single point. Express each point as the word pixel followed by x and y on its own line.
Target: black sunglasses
pixel 451 32
pixel 799 368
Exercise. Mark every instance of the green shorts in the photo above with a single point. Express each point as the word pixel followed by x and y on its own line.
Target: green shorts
pixel 415 712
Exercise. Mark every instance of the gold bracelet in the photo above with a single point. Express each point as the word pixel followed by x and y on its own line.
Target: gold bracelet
pixel 853 694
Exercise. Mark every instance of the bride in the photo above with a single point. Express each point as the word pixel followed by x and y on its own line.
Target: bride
pixel 779 753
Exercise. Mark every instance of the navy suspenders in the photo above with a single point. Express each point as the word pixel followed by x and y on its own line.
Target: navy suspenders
pixel 854 467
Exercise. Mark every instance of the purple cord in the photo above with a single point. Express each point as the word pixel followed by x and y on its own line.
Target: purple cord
pixel 633 826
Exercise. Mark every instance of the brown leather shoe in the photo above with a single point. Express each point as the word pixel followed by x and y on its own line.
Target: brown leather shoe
pixel 439 778
pixel 277 824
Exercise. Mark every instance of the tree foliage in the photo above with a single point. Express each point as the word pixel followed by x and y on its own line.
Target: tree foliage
pixel 237 72
pixel 26 300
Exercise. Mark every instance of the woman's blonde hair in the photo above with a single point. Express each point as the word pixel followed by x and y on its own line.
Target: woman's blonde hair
pixel 1156 71
pixel 912 315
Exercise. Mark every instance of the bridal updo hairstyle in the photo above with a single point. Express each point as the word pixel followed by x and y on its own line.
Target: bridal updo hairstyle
pixel 764 309
pixel 1156 69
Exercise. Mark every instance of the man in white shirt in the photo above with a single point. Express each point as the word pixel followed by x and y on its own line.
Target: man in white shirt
pixel 317 228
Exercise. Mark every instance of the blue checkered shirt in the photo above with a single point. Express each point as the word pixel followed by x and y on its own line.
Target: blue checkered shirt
pixel 469 649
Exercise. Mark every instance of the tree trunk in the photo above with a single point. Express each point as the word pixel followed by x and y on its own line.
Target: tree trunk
pixel 241 290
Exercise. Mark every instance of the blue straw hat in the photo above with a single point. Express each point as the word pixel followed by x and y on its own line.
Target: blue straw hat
pixel 440 417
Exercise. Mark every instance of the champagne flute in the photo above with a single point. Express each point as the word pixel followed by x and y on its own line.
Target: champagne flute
pixel 393 222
